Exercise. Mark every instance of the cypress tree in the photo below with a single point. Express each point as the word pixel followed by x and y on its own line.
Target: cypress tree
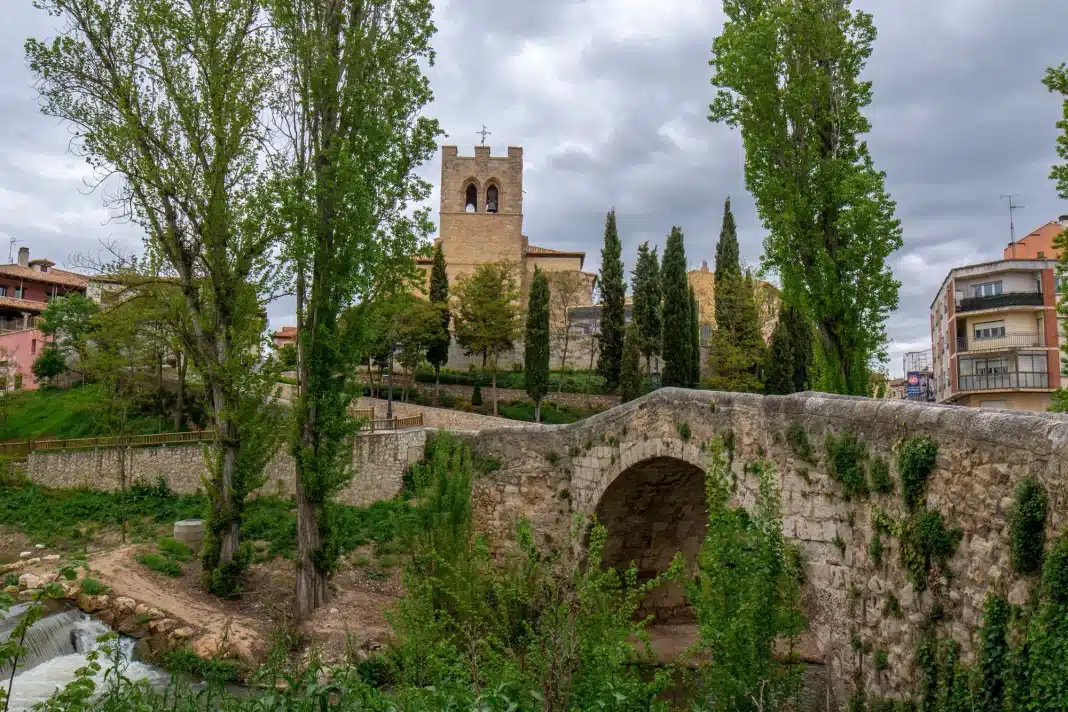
pixel 646 290
pixel 536 356
pixel 728 261
pixel 676 312
pixel 695 342
pixel 630 375
pixel 437 352
pixel 737 349
pixel 613 291
pixel 789 357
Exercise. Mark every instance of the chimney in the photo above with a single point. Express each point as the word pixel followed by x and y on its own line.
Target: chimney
pixel 1063 220
pixel 24 257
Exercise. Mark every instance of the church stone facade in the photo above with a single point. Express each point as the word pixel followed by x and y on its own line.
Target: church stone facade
pixel 481 219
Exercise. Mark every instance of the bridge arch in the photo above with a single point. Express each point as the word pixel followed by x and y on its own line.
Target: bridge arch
pixel 652 503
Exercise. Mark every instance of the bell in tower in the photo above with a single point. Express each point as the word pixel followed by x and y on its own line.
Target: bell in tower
pixel 491 199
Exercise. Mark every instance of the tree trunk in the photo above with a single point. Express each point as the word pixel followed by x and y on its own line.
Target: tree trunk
pixel 563 360
pixel 537 410
pixel 437 383
pixel 230 535
pixel 180 398
pixel 494 386
pixel 311 583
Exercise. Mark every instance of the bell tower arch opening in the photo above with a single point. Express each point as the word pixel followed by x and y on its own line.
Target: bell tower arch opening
pixel 652 510
pixel 492 198
pixel 471 197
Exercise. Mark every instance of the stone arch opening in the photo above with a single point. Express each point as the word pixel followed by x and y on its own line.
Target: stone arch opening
pixel 471 198
pixel 492 198
pixel 652 510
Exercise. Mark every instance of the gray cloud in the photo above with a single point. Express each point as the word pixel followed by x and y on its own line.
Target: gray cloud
pixel 609 100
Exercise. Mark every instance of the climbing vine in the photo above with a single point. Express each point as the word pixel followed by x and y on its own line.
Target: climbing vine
pixel 881 481
pixel 925 539
pixel 914 463
pixel 845 463
pixel 799 443
pixel 995 652
pixel 1027 525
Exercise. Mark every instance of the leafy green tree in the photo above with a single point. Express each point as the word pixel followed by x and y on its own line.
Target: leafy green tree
pixel 353 90
pixel 49 364
pixel 169 98
pixel 1056 81
pixel 437 352
pixel 613 295
pixel 788 77
pixel 645 286
pixel 695 341
pixel 487 322
pixel 416 325
pixel 68 321
pixel 676 312
pixel 747 596
pixel 789 356
pixel 737 349
pixel 536 342
pixel 630 375
pixel 567 289
pixel 287 356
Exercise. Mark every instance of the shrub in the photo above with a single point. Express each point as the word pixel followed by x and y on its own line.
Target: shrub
pixel 845 463
pixel 446 400
pixel 1027 525
pixel 11 580
pixel 160 564
pixel 92 587
pixel 1055 571
pixel 799 443
pixel 881 481
pixel 882 660
pixel 684 431
pixel 875 550
pixel 915 462
pixel 174 549
pixel 375 670
pixel 926 539
pixel 476 395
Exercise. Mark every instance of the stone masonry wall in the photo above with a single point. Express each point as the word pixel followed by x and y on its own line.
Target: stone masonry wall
pixel 378 460
pixel 550 473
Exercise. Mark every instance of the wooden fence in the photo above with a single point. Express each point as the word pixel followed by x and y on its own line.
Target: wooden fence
pixel 22 448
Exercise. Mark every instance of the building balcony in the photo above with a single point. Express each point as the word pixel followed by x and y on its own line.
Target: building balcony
pixel 996 301
pixel 1003 381
pixel 1008 342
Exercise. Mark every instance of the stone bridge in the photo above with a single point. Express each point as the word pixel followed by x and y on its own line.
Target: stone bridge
pixel 639 468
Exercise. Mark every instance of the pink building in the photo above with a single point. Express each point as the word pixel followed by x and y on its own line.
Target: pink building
pixel 25 290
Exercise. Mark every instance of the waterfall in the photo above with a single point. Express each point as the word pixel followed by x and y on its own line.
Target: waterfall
pixel 56 646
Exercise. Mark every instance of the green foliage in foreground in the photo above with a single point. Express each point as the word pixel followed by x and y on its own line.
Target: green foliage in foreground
pixel 68 413
pixel 71 517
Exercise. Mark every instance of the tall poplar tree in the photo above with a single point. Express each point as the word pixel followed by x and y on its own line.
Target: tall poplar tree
pixel 438 351
pixel 695 341
pixel 678 365
pixel 166 99
pixel 645 287
pixel 613 294
pixel 788 75
pixel 736 353
pixel 1056 81
pixel 536 342
pixel 789 356
pixel 350 99
pixel 728 259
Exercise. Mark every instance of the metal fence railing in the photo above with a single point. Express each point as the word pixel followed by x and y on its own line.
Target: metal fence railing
pixel 22 448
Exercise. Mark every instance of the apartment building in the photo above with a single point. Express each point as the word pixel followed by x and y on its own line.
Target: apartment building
pixel 995 333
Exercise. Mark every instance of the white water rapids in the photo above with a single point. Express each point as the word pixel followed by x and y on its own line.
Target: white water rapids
pixel 56 646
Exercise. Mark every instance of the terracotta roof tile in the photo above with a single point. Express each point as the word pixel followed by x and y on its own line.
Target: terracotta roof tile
pixel 52 276
pixel 22 304
pixel 536 250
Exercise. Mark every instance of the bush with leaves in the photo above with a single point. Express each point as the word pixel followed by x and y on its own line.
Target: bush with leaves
pixel 915 462
pixel 845 463
pixel 746 594
pixel 1027 525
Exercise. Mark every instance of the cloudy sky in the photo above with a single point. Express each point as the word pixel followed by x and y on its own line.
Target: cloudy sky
pixel 609 100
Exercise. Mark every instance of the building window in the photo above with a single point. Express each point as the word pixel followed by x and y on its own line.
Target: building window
pixel 3 291
pixel 986 366
pixel 18 292
pixel 471 200
pixel 990 330
pixel 1031 363
pixel 33 346
pixel 987 289
pixel 491 199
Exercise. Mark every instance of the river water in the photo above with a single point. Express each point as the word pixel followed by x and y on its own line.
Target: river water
pixel 56 646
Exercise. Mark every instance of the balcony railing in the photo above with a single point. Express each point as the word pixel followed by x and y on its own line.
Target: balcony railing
pixel 996 381
pixel 1008 299
pixel 1012 340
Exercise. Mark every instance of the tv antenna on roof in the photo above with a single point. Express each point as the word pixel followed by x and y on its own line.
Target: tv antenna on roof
pixel 1013 207
pixel 11 250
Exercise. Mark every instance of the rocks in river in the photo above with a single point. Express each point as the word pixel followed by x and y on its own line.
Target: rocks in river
pixel 124 606
pixel 92 604
pixel 183 633
pixel 29 580
pixel 149 612
pixel 50 557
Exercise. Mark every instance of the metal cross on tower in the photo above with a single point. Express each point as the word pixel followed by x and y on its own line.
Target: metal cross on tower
pixel 483 133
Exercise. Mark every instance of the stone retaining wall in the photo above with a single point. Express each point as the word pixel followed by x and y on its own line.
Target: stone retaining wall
pixel 378 460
